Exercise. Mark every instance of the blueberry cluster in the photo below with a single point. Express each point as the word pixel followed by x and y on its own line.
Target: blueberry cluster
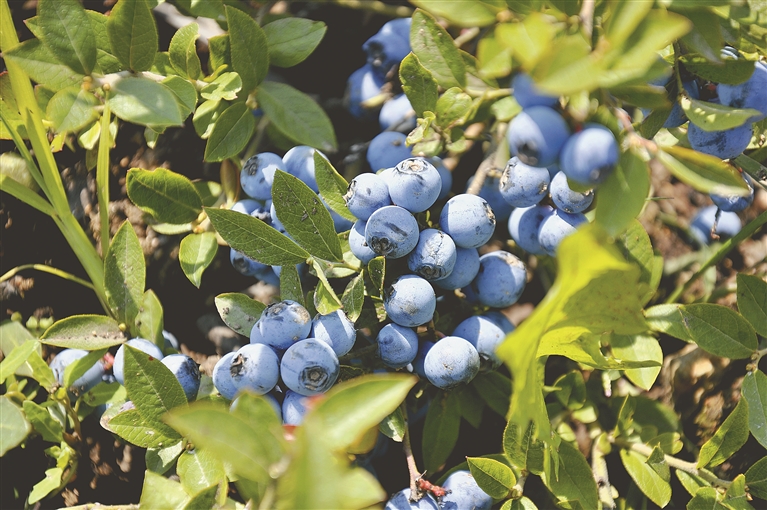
pixel 549 160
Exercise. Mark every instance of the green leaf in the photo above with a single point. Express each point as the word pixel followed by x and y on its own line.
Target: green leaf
pixel 104 393
pixel 529 39
pixel 716 117
pixel 393 426
pixel 637 248
pixel 231 133
pixel 305 217
pixel 42 66
pixel 752 301
pixel 125 274
pixel 575 481
pixel 41 372
pixel 418 84
pixel 290 285
pixel 206 498
pixel 15 358
pixel 452 108
pixel 239 311
pixel 646 478
pixel 638 348
pixel 77 368
pixel 254 408
pixel 728 439
pixel 144 102
pixel 332 186
pixel 249 48
pixel 325 299
pixel 707 497
pixel 525 451
pixel 463 13
pixel 736 496
pixel 168 196
pixel 149 320
pixel 161 492
pixel 622 196
pixel 705 173
pixel 161 459
pixel 199 469
pixel 495 389
pixel 89 332
pixel 754 390
pixel 440 431
pixel 71 109
pixel 291 40
pixel 494 57
pixel 353 407
pixel 50 483
pixel 225 86
pixel 657 461
pixel 66 30
pixel 297 115
pixel 220 51
pixel 255 238
pixel 715 328
pixel 196 253
pixel 705 37
pixel 184 92
pixel 106 61
pixel 133 34
pixel 14 427
pixel 132 427
pixel 727 71
pixel 205 117
pixel 353 298
pixel 691 483
pixel 572 390
pixel 624 20
pixel 43 422
pixel 756 478
pixel 183 52
pixel 436 51
pixel 494 478
pixel 13 334
pixel 668 442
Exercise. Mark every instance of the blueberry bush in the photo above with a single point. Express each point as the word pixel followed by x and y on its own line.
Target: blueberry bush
pixel 495 303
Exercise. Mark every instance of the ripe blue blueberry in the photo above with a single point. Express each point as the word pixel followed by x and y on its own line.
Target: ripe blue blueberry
pixel 401 501
pixel 468 219
pixel 485 335
pixel 451 362
pixel 677 116
pixel 309 367
pixel 464 271
pixel 367 193
pixel 524 224
pixel 423 349
pixel 555 227
pixel 726 144
pixel 537 135
pixel 257 174
pixel 434 256
pixel 293 408
pixel 528 94
pixel 362 85
pixel 523 185
pixel 246 206
pixel 171 342
pixel 256 368
pixel 750 94
pixel 501 279
pixel 445 175
pixel 357 243
pixel 391 231
pixel 222 376
pixel 187 373
pixel 283 324
pixel 590 156
pixel 464 493
pixel 245 265
pixel 85 382
pixel 397 115
pixel 397 345
pixel 276 223
pixel 734 203
pixel 389 46
pixel 414 184
pixel 410 301
pixel 491 192
pixel 299 161
pixel 336 330
pixel 140 344
pixel 728 224
pixel 500 320
pixel 387 149
pixel 565 198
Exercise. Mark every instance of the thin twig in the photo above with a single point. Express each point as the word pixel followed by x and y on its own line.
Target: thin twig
pixel 415 494
pixel 587 17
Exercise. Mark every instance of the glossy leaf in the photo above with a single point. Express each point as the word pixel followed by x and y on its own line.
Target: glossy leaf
pixel 224 86
pixel 66 30
pixel 168 196
pixel 231 133
pixel 144 102
pixel 199 469
pixel 435 50
pixel 440 432
pixel 292 40
pixel 494 478
pixel 646 478
pixel 418 84
pixel 42 66
pixel 42 421
pixel 132 427
pixel 89 332
pixel 752 301
pixel 622 196
pixel 14 425
pixel 754 390
pixel 161 459
pixel 574 480
pixel 161 492
pixel 238 311
pixel 196 252
pixel 756 479
pixel 705 173
pixel 150 319
pixel 71 109
pixel 637 348
pixel 728 439
pixel 353 298
pixel 125 274
pixel 290 285
pixel 249 49
pixel 133 34
pixel 297 115
pixel 332 186
pixel 716 117
pixel 183 52
pixel 305 217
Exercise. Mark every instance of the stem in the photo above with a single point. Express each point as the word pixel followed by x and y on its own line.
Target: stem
pixel 723 250
pixel 411 467
pixel 102 179
pixel 587 17
pixel 111 79
pixel 601 475
pixel 47 269
pixel 519 488
pixel 756 358
pixel 466 36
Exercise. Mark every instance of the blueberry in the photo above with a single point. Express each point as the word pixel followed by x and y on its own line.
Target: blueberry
pixel 565 198
pixel 410 301
pixel 391 231
pixel 468 219
pixel 728 224
pixel 386 49
pixel 387 149
pixel 397 345
pixel 246 206
pixel 283 324
pixel 464 493
pixel 726 144
pixel 138 343
pixel 357 244
pixel 222 376
pixel 299 161
pixel 523 185
pixel 414 185
pixel 293 408
pixel 309 367
pixel 336 330
pixel 491 192
pixel 555 227
pixel 524 224
pixel 397 115
pixel 464 271
pixel 451 362
pixel 244 264
pixel 256 368
pixel 171 342
pixel 750 94
pixel 590 156
pixel 485 335
pixel 734 203
pixel 445 175
pixel 276 224
pixel 187 373
pixel 85 382
pixel 537 135
pixel 340 224
pixel 257 174
pixel 500 280
pixel 362 85
pixel 401 501
pixel 434 256
pixel 528 94
pixel 366 194
pixel 500 320
pixel 677 116
pixel 423 349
